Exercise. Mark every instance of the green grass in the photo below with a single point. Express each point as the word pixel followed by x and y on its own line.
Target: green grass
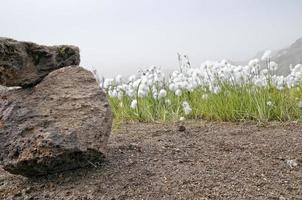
pixel 233 103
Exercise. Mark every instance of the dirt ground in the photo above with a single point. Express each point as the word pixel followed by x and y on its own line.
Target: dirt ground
pixel 156 161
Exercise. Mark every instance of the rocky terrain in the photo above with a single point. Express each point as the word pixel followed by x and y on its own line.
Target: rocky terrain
pixel 55 124
pixel 158 161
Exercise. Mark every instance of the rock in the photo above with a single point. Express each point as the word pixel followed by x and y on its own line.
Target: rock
pixel 25 63
pixel 181 128
pixel 62 123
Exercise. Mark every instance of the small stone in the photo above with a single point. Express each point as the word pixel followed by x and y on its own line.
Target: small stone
pixel 181 128
pixel 292 163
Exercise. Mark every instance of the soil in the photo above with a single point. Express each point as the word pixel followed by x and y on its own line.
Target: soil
pixel 200 160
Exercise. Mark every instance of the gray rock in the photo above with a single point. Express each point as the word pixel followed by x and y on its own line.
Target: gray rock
pixel 25 64
pixel 62 123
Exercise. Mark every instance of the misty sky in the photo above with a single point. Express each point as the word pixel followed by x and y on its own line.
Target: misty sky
pixel 121 36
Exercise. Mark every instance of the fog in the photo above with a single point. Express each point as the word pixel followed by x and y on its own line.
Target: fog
pixel 120 37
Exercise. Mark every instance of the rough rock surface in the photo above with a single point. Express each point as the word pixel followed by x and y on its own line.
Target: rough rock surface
pixel 62 123
pixel 25 63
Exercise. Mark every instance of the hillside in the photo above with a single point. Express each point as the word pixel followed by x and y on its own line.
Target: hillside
pixel 285 57
pixel 288 56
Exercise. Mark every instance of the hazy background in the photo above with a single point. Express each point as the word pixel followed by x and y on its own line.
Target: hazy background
pixel 121 36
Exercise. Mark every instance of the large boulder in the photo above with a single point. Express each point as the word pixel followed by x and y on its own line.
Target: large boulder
pixel 62 123
pixel 25 63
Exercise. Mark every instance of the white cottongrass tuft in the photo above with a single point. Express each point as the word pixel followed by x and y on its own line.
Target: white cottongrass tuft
pixel 118 79
pixel 155 95
pixel 133 104
pixel 299 104
pixel 266 55
pixel 168 102
pixel 205 81
pixel 273 66
pixel 178 92
pixel 186 107
pixel 269 103
pixel 205 96
pixel 162 93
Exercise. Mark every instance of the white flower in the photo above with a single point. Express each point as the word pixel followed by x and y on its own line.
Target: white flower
pixel 162 93
pixel 133 104
pixel 205 96
pixel 181 119
pixel 112 93
pixel 143 90
pixel 178 92
pixel 264 71
pixel 215 89
pixel 155 95
pixel 108 82
pixel 132 78
pixel 118 79
pixel 207 79
pixel 269 103
pixel 168 102
pixel 172 87
pixel 253 62
pixel 130 92
pixel 186 107
pixel 273 66
pixel 142 93
pixel 136 83
pixel 120 95
pixel 266 55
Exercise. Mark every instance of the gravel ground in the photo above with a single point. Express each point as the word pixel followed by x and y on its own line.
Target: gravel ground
pixel 164 161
